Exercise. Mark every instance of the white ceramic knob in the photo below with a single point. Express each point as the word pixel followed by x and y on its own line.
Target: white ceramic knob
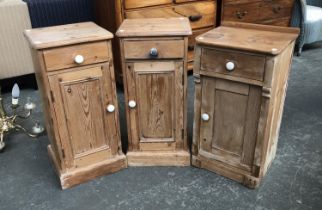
pixel 132 104
pixel 230 66
pixel 205 117
pixel 79 59
pixel 110 108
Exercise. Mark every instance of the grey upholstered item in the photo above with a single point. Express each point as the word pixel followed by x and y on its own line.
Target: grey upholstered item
pixel 307 15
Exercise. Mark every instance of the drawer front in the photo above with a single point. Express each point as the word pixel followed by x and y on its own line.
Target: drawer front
pixel 131 4
pixel 64 57
pixel 134 49
pixel 200 14
pixel 245 65
pixel 258 12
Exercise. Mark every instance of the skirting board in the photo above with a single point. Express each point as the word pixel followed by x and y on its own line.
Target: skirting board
pixel 158 158
pixel 227 171
pixel 84 174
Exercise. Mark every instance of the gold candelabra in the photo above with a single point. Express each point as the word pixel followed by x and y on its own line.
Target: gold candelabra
pixel 9 122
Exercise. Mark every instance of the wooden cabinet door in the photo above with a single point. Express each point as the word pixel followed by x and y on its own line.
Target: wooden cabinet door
pixel 157 120
pixel 229 134
pixel 88 132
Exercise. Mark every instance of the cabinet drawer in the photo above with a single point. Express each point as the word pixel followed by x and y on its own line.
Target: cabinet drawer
pixel 200 14
pixel 64 57
pixel 131 4
pixel 245 65
pixel 134 49
pixel 257 12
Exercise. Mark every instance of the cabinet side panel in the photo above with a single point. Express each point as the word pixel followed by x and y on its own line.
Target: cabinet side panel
pixel 50 118
pixel 280 82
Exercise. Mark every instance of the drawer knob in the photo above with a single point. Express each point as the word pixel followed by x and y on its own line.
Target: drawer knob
pixel 132 104
pixel 79 59
pixel 154 52
pixel 230 66
pixel 110 108
pixel 205 117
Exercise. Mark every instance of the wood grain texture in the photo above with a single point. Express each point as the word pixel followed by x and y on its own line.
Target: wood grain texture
pixel 166 49
pixel 84 137
pixel 158 158
pixel 149 27
pixel 250 37
pixel 157 124
pixel 131 4
pixel 277 12
pixel 248 66
pixel 64 57
pixel 84 174
pixel 200 14
pixel 110 15
pixel 239 140
pixel 56 36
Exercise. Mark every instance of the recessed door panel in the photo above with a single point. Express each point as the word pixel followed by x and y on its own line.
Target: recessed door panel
pixel 80 101
pixel 156 87
pixel 156 105
pixel 229 132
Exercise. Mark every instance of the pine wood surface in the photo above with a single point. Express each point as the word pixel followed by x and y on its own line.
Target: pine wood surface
pixel 84 136
pixel 250 37
pixel 154 27
pixel 239 140
pixel 157 124
pixel 56 36
pixel 278 12
pixel 202 15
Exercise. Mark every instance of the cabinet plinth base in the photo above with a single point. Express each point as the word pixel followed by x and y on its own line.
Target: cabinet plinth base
pixel 225 170
pixel 158 158
pixel 80 175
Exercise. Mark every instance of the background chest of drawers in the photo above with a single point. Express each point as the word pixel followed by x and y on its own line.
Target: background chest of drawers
pixel 241 72
pixel 74 70
pixel 201 13
pixel 154 55
pixel 268 12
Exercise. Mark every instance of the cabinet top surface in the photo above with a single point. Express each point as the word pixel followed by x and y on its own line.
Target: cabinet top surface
pixel 57 36
pixel 154 27
pixel 250 37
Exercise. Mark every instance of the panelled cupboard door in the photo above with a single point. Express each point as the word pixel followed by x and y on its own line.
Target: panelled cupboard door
pixel 80 101
pixel 155 100
pixel 229 120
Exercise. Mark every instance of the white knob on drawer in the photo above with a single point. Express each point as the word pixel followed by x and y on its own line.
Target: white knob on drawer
pixel 110 108
pixel 79 59
pixel 205 117
pixel 132 104
pixel 230 66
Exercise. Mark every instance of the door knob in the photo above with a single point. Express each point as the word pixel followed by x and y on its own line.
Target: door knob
pixel 132 104
pixel 154 52
pixel 205 117
pixel 110 108
pixel 79 59
pixel 230 66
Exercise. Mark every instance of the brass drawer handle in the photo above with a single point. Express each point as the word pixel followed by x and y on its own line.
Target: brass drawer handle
pixel 154 52
pixel 240 14
pixel 194 18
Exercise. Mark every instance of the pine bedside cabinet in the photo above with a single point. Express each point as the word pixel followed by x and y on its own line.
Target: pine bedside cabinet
pixel 154 60
pixel 241 74
pixel 75 75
